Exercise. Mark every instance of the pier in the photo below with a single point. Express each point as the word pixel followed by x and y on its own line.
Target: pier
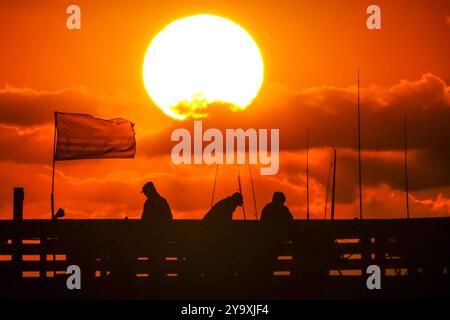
pixel 190 259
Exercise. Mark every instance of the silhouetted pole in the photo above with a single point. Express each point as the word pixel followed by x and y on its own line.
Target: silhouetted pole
pixel 307 174
pixel 52 196
pixel 16 241
pixel 328 185
pixel 359 157
pixel 18 197
pixel 214 186
pixel 253 191
pixel 333 192
pixel 406 166
pixel 240 190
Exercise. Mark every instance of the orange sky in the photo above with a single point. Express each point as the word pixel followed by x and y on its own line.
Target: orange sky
pixel 311 53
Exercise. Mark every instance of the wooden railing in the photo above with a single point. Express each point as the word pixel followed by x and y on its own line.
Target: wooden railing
pixel 245 259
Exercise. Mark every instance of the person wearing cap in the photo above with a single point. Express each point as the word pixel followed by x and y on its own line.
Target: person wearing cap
pixel 223 210
pixel 276 211
pixel 156 208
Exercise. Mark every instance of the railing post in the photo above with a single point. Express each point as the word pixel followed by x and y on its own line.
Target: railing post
pixel 16 241
pixel 18 203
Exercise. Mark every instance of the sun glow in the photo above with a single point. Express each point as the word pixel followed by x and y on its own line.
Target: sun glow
pixel 200 60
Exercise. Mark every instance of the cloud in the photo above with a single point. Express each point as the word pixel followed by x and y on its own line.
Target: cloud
pixel 26 118
pixel 110 188
pixel 31 145
pixel 330 114
pixel 25 107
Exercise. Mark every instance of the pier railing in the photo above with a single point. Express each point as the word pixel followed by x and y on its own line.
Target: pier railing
pixel 245 259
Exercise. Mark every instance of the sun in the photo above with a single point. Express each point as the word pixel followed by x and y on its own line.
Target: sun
pixel 200 60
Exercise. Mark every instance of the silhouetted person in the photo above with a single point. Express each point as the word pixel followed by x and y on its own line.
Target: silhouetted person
pixel 276 211
pixel 223 210
pixel 156 209
pixel 157 215
pixel 219 254
pixel 276 214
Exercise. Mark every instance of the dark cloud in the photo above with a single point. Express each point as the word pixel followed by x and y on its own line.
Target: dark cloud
pixel 32 145
pixel 26 107
pixel 328 112
pixel 26 118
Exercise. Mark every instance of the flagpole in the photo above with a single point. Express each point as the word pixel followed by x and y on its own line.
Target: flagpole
pixel 52 198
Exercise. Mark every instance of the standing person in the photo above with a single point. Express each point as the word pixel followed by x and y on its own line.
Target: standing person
pixel 276 217
pixel 156 208
pixel 156 215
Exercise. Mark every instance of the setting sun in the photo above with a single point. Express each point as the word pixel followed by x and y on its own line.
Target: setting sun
pixel 199 60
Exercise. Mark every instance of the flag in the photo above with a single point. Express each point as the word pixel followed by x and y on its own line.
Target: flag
pixel 82 136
